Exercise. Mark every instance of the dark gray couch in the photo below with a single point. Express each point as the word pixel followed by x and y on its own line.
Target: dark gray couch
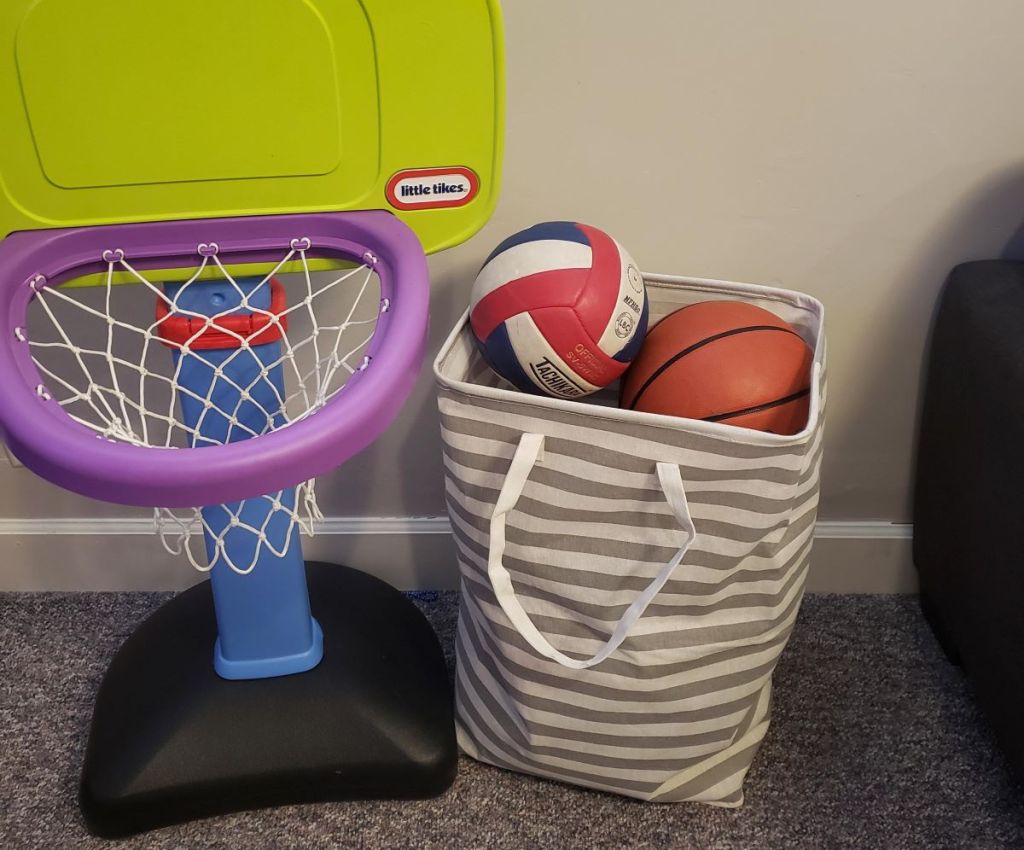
pixel 969 496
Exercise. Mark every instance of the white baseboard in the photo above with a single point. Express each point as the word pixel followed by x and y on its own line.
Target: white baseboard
pixel 862 557
pixel 410 552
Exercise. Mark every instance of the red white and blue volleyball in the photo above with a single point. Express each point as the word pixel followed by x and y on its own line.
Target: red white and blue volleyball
pixel 559 309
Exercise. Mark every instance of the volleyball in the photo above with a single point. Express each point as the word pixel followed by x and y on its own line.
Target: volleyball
pixel 559 309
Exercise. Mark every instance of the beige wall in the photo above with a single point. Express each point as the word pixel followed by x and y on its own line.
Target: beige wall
pixel 851 150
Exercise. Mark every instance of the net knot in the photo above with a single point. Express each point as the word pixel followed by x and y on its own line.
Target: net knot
pixel 36 281
pixel 302 244
pixel 208 249
pixel 113 255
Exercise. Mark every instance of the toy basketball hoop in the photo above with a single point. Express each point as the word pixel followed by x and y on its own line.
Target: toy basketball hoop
pixel 108 451
pixel 199 314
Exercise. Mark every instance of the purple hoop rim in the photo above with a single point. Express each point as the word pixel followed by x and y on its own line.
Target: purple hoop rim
pixel 55 447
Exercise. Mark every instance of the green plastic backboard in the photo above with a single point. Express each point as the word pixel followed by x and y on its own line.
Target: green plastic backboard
pixel 117 111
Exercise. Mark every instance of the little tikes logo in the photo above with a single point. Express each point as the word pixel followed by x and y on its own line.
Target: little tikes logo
pixel 432 188
pixel 555 379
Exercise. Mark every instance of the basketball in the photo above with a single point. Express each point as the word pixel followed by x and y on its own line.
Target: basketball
pixel 723 361
pixel 559 309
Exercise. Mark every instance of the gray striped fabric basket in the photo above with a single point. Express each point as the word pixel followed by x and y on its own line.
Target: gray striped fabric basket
pixel 629 580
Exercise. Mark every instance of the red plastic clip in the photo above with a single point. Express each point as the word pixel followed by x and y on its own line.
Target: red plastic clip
pixel 224 331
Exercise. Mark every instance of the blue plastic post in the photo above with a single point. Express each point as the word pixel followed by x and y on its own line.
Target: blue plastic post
pixel 263 619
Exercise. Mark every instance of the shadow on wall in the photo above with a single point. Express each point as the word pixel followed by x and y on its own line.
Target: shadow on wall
pixel 972 230
pixel 419 452
pixel 402 473
pixel 448 300
pixel 875 361
pixel 1014 249
pixel 419 446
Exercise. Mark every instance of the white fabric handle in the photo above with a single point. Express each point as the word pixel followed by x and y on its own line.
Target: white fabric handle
pixel 527 454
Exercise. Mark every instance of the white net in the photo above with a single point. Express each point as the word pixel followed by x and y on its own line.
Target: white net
pixel 223 357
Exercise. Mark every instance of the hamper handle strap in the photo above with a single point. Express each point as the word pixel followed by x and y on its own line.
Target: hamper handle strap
pixel 526 456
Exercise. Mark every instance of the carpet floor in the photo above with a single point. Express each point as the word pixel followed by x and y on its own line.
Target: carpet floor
pixel 875 743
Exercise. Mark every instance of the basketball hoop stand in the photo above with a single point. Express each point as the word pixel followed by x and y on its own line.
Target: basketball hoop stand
pixel 278 681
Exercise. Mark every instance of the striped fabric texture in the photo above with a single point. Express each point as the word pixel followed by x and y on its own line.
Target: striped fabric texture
pixel 628 580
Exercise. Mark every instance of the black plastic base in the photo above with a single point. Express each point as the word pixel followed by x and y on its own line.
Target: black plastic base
pixel 171 741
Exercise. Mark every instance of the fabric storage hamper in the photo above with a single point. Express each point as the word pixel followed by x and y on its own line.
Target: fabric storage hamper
pixel 628 580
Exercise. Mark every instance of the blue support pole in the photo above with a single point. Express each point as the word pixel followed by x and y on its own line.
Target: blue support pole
pixel 264 623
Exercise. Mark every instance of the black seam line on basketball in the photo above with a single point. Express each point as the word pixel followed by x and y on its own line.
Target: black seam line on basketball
pixel 718 417
pixel 680 355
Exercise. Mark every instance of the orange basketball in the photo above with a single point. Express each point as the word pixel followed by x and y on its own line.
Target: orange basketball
pixel 723 361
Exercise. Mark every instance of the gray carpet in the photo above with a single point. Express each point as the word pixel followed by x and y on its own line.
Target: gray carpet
pixel 875 743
